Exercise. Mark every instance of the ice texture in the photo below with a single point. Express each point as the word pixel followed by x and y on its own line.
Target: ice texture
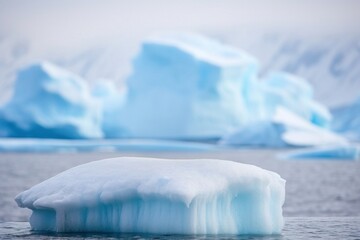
pixel 163 196
pixel 188 86
pixel 50 102
pixel 284 129
pixel 347 120
pixel 342 152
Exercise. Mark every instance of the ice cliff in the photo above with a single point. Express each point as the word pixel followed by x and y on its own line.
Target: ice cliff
pixel 50 102
pixel 188 86
pixel 159 196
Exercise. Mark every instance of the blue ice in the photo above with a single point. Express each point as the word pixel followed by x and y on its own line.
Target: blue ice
pixel 50 102
pixel 187 86
pixel 342 152
pixel 347 120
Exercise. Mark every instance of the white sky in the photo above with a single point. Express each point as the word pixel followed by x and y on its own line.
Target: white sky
pixel 73 22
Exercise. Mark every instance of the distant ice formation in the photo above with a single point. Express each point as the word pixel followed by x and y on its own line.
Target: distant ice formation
pixel 31 145
pixel 188 86
pixel 341 152
pixel 183 86
pixel 284 129
pixel 295 94
pixel 111 102
pixel 50 102
pixel 347 120
pixel 159 196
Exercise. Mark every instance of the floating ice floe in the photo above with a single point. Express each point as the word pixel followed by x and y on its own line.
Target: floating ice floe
pixel 347 120
pixel 158 196
pixel 26 145
pixel 341 152
pixel 188 86
pixel 284 129
pixel 50 102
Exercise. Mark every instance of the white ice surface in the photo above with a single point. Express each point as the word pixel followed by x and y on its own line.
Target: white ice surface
pixel 147 195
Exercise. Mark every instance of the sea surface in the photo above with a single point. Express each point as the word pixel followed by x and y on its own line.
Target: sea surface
pixel 322 196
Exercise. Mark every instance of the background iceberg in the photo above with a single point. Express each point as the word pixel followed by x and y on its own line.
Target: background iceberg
pixel 187 86
pixel 347 120
pixel 52 103
pixel 111 103
pixel 159 196
pixel 280 89
pixel 284 129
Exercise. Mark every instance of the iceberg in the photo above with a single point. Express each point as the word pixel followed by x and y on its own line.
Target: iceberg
pixel 347 120
pixel 284 129
pixel 162 196
pixel 341 152
pixel 187 86
pixel 49 102
pixel 281 89
pixel 111 103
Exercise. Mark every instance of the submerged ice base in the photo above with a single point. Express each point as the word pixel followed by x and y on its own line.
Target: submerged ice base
pixel 159 196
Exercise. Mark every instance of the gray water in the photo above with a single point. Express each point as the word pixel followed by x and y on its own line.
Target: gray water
pixel 322 196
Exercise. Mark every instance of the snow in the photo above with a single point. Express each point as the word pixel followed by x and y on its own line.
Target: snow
pixel 187 86
pixel 284 129
pixel 342 152
pixel 50 102
pixel 347 120
pixel 161 196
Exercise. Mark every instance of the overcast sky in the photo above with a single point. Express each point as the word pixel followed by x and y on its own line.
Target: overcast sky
pixel 71 22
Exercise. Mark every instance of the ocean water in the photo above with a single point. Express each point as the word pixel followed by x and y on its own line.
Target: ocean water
pixel 322 196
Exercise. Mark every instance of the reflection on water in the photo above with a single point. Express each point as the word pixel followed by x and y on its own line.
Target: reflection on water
pixel 295 228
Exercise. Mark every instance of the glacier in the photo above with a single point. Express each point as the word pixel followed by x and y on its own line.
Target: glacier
pixel 163 196
pixel 51 102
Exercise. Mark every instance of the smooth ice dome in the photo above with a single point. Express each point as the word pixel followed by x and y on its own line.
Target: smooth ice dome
pixel 159 196
pixel 49 102
pixel 187 86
